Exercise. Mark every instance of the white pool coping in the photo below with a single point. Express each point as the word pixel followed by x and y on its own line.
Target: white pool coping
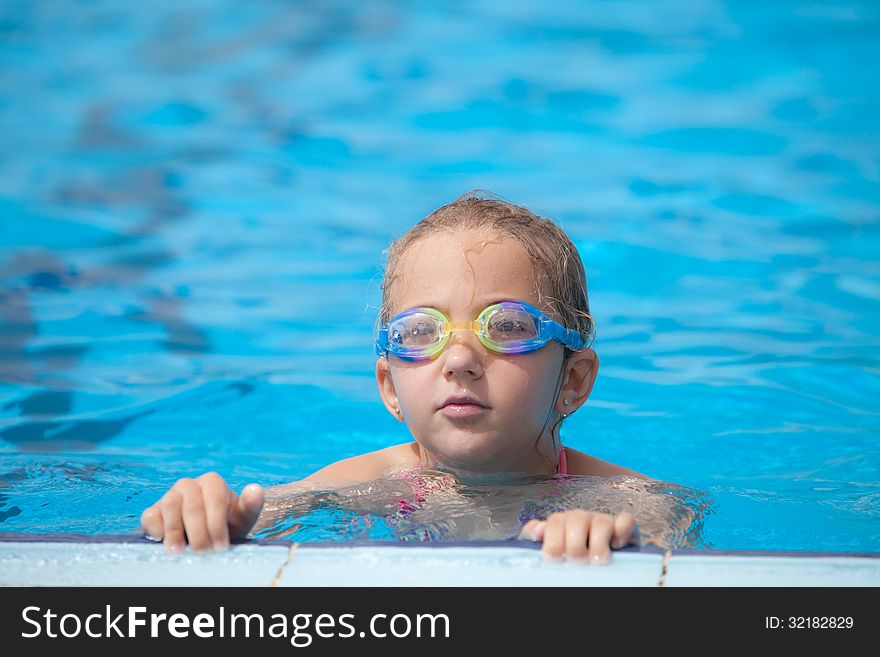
pixel 125 561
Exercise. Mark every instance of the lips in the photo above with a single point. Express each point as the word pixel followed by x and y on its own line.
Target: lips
pixel 463 400
pixel 460 406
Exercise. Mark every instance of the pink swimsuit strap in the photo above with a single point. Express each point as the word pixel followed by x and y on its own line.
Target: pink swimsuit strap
pixel 562 468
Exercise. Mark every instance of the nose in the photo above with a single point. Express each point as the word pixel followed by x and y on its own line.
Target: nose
pixel 463 355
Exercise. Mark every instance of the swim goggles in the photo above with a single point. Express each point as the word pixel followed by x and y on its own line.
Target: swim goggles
pixel 507 327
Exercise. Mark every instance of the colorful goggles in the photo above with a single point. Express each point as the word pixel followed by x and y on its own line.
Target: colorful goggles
pixel 508 327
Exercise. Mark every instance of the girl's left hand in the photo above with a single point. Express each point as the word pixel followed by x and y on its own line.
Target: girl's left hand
pixel 579 535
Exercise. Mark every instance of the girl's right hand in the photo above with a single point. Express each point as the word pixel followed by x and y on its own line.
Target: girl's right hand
pixel 203 512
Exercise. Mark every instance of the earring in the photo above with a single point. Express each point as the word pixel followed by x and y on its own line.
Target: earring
pixel 565 401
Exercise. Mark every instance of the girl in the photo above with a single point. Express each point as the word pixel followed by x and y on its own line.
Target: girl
pixel 484 349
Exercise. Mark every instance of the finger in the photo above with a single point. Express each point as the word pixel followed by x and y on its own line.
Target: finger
pixel 577 525
pixel 533 530
pixel 599 541
pixel 245 509
pixel 217 497
pixel 172 521
pixel 194 520
pixel 151 522
pixel 625 531
pixel 554 537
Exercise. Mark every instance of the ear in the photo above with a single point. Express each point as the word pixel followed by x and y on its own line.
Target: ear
pixel 386 388
pixel 581 369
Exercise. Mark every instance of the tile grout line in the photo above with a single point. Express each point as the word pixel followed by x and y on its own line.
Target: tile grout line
pixel 290 553
pixel 664 568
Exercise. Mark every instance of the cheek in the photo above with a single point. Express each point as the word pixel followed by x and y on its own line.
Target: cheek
pixel 524 389
pixel 414 389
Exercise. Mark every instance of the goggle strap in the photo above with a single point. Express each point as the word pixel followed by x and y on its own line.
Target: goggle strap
pixel 382 342
pixel 569 337
pixel 574 340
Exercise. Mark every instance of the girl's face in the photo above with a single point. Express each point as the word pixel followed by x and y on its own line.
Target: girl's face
pixel 462 273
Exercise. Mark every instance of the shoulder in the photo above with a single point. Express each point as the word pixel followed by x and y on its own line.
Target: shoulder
pixel 584 464
pixel 365 467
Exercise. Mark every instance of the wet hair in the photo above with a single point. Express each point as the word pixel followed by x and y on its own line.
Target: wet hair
pixel 560 278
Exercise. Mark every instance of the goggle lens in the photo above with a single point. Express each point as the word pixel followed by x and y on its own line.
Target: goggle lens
pixel 415 332
pixel 509 326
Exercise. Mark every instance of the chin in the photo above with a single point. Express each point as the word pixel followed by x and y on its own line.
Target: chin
pixel 464 449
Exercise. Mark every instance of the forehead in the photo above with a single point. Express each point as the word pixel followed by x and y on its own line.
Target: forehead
pixel 463 271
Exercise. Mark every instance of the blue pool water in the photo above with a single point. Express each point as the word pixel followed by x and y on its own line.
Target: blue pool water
pixel 194 202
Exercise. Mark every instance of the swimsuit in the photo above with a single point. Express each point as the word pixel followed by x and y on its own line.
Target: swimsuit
pixel 434 483
pixel 562 468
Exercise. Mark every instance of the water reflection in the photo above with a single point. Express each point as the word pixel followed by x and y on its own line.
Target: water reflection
pixel 434 506
pixel 43 373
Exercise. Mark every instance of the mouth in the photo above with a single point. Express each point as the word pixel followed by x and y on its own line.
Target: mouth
pixel 462 406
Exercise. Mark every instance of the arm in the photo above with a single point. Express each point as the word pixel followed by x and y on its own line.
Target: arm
pixel 669 515
pixel 207 514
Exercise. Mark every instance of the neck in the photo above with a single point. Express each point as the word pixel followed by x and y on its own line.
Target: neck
pixel 541 466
